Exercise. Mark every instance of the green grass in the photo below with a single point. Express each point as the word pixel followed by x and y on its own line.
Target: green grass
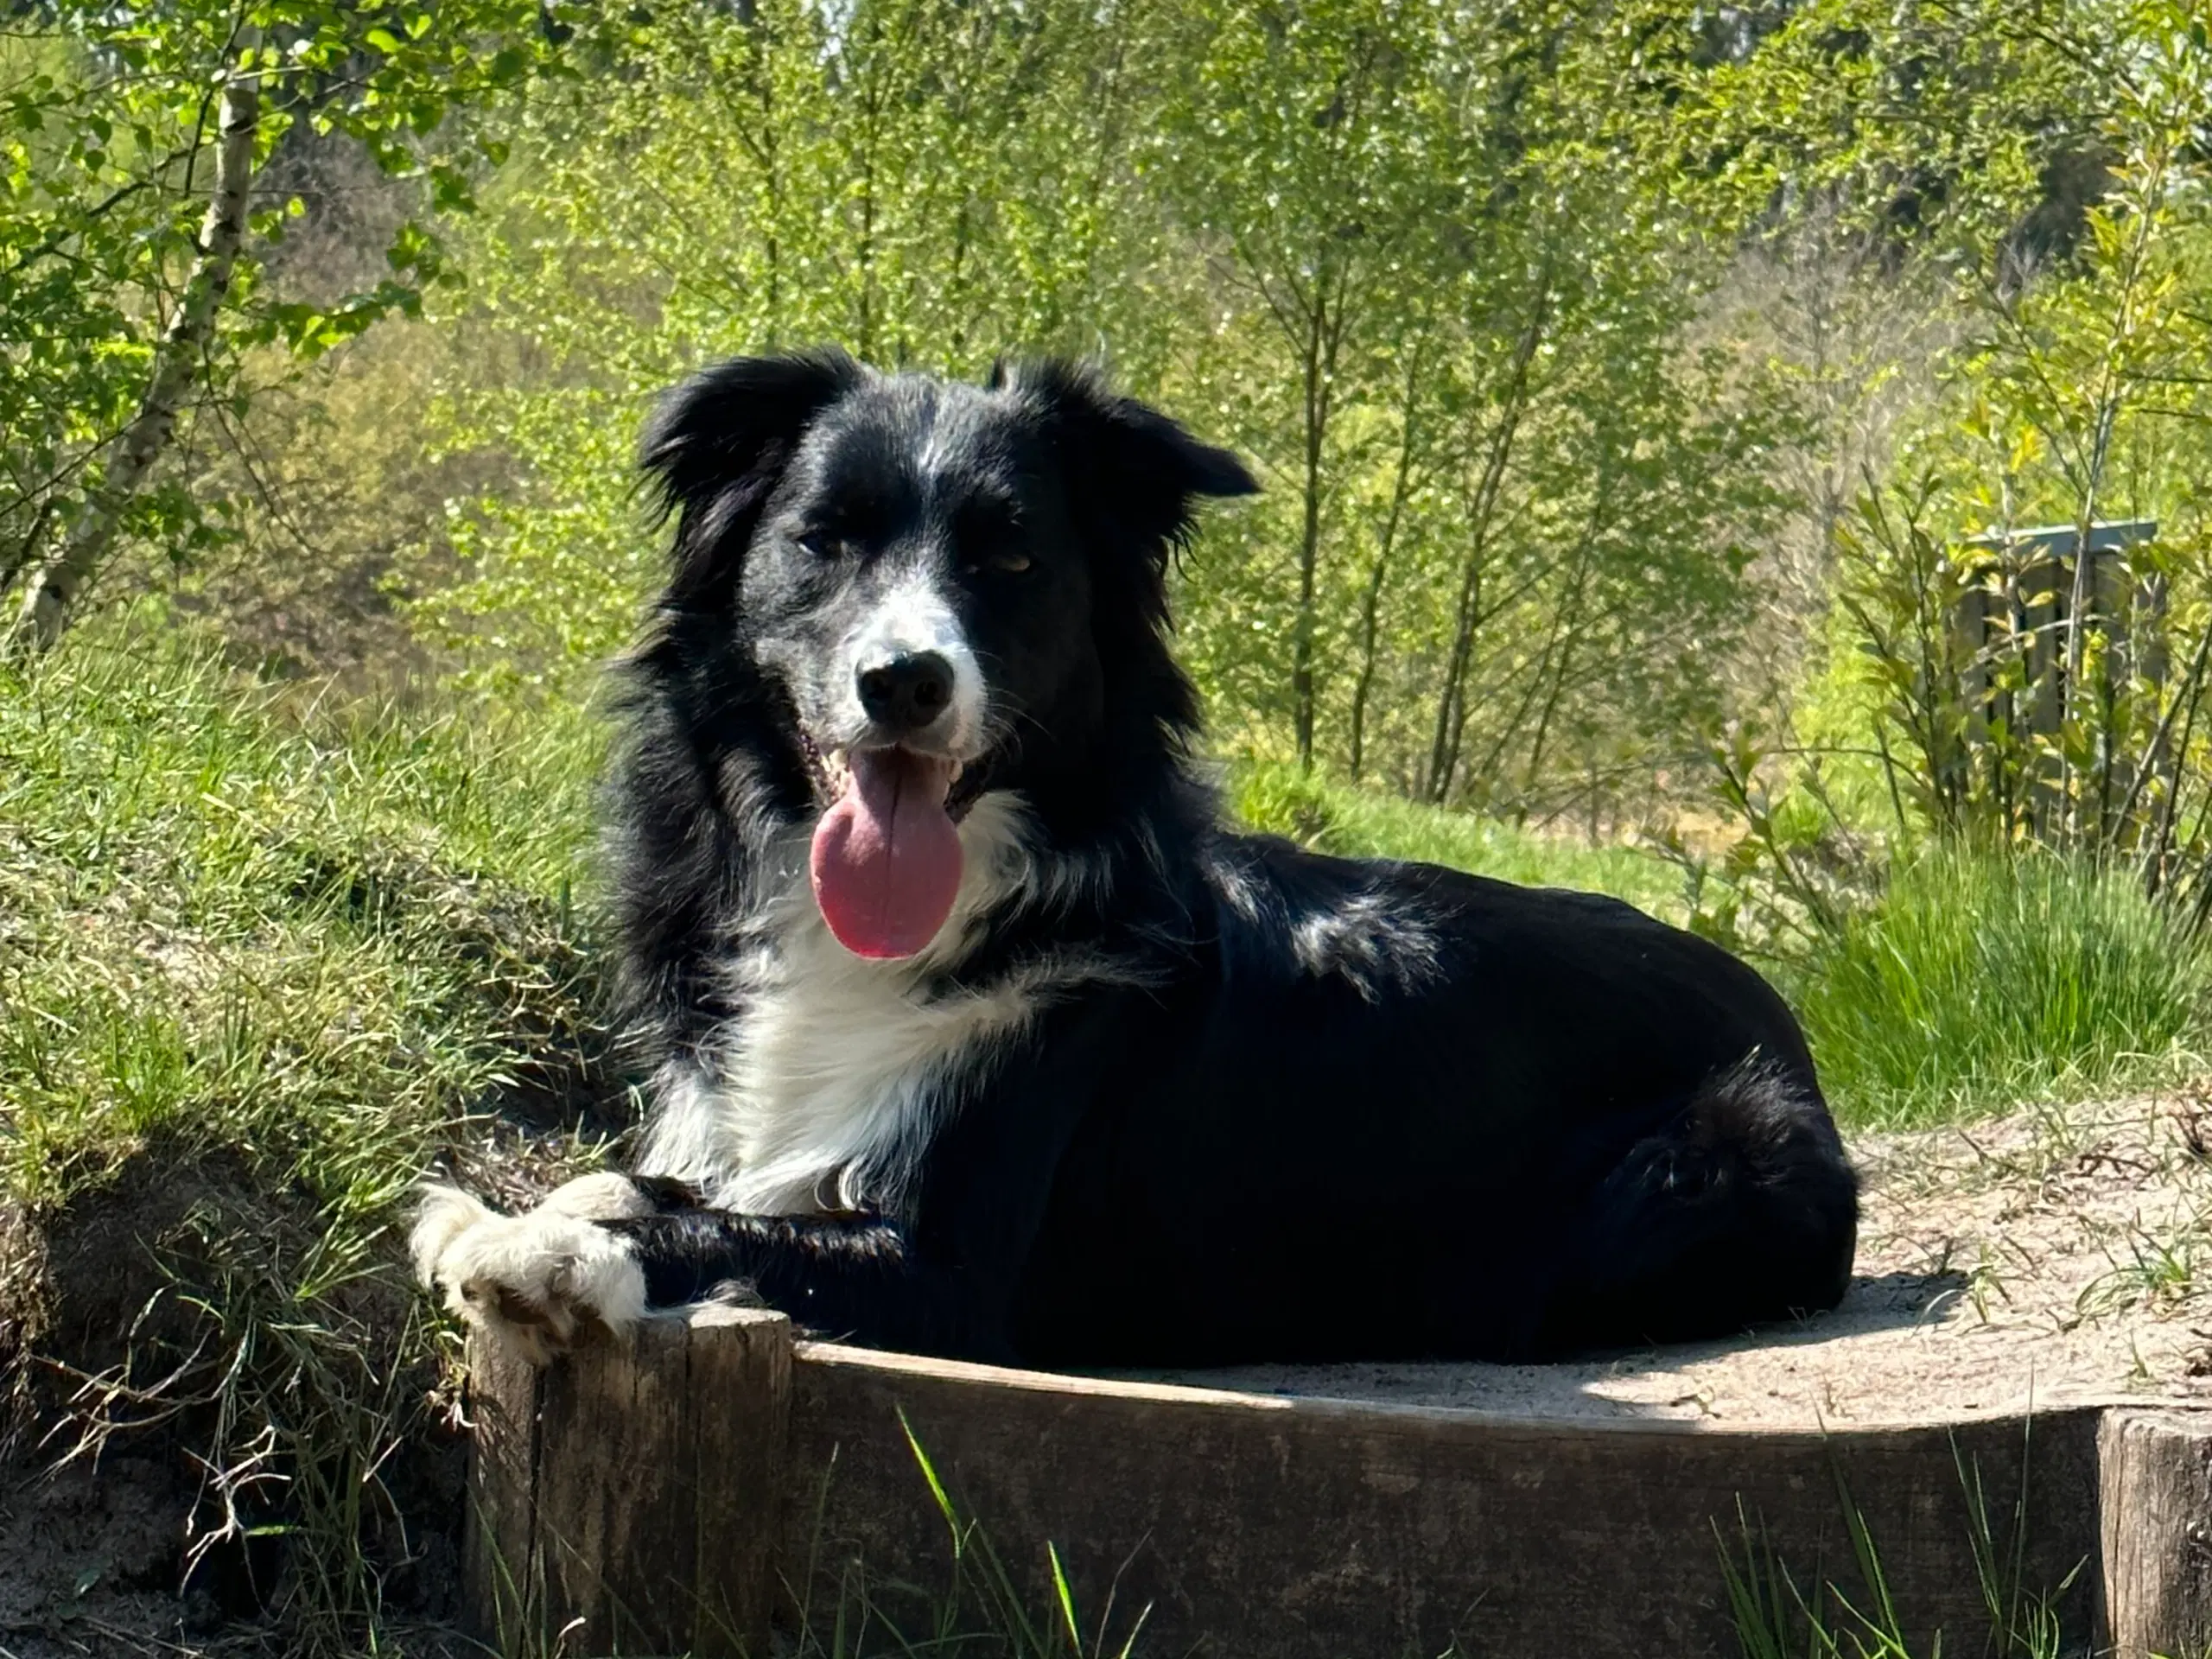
pixel 1978 982
pixel 257 957
pixel 227 918
pixel 1361 823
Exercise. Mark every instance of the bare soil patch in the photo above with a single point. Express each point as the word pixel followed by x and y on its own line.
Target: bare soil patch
pixel 2051 1256
pixel 113 1437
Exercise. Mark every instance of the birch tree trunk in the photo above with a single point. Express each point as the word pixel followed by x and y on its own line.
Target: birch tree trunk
pixel 50 599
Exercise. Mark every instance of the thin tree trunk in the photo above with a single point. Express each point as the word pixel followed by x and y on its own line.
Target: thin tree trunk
pixel 50 599
pixel 2081 600
pixel 1557 672
pixel 1451 717
pixel 26 550
pixel 1370 620
pixel 872 131
pixel 771 175
pixel 1324 329
pixel 1568 625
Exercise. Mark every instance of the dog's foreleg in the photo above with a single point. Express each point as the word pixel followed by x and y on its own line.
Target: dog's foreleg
pixel 853 1278
pixel 534 1283
pixel 605 1251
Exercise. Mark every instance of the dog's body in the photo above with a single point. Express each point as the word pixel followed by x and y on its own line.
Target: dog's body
pixel 978 1034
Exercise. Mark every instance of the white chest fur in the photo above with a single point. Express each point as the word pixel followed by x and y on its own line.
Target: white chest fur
pixel 824 1092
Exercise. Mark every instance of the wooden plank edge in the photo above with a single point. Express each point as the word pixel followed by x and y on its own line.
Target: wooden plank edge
pixel 1473 1419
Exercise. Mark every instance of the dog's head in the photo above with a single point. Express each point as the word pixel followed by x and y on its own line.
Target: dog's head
pixel 951 588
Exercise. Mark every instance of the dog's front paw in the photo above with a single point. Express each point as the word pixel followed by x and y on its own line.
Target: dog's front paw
pixel 536 1283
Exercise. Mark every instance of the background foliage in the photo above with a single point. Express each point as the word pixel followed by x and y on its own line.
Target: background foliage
pixel 1578 346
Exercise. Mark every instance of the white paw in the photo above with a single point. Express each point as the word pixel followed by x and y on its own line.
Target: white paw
pixel 538 1282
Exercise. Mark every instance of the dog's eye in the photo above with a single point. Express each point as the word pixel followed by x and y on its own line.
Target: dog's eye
pixel 1009 563
pixel 822 544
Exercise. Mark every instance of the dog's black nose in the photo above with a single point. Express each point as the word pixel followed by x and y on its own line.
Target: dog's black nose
pixel 907 693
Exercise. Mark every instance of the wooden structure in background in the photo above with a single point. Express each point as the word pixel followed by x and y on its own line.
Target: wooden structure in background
pixel 2015 610
pixel 685 1492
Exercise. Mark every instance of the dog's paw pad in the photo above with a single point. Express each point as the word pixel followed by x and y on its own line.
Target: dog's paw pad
pixel 536 1283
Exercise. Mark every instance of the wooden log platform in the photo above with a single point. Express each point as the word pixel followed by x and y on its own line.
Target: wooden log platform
pixel 693 1489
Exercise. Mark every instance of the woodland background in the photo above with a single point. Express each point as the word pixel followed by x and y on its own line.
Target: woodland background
pixel 1578 346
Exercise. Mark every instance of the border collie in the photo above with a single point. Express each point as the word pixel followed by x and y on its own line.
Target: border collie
pixel 975 1032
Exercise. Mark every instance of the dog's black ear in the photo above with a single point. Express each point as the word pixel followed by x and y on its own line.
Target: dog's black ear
pixel 1141 469
pixel 715 448
pixel 1133 477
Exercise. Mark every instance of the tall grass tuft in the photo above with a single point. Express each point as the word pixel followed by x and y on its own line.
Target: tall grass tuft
pixel 1982 981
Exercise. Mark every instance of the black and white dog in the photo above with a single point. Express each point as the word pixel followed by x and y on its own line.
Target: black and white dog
pixel 977 1033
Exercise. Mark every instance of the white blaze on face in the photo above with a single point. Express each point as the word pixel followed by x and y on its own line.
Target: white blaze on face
pixel 885 860
pixel 912 617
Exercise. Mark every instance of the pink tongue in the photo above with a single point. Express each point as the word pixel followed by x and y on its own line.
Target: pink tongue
pixel 887 858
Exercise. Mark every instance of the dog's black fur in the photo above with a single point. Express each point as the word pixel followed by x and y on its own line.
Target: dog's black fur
pixel 1248 1089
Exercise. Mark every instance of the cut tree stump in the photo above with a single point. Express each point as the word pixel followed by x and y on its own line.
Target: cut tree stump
pixel 683 1490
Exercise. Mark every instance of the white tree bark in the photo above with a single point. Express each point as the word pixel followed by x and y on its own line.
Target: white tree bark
pixel 50 599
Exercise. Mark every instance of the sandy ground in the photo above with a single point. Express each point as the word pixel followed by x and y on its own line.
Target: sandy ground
pixel 2044 1258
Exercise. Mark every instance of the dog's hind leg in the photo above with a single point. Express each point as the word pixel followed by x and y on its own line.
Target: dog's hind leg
pixel 1742 1210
